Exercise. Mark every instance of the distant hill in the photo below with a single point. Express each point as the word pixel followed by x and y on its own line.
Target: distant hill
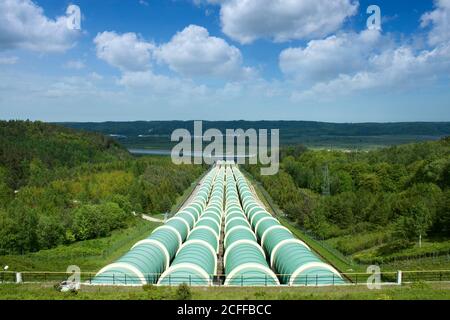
pixel 50 146
pixel 156 134
pixel 288 128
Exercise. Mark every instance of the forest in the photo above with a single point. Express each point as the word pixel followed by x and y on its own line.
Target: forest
pixel 59 186
pixel 368 204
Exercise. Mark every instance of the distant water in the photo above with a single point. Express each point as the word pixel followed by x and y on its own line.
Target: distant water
pixel 162 152
pixel 153 152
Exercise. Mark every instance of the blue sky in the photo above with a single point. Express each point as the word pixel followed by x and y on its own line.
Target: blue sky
pixel 225 60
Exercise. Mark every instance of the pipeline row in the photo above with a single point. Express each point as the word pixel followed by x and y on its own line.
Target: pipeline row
pixel 244 259
pixel 151 257
pixel 196 261
pixel 291 258
pixel 258 250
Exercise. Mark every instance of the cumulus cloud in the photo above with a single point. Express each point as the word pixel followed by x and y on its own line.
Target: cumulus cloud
pixel 395 68
pixel 282 20
pixel 326 59
pixel 439 19
pixel 348 62
pixel 24 25
pixel 193 52
pixel 125 51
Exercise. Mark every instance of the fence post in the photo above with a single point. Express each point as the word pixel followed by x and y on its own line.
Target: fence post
pixel 114 279
pixel 18 277
pixel 356 279
pixel 306 280
pixel 125 279
pixel 190 282
pixel 265 279
pixel 399 277
pixel 317 280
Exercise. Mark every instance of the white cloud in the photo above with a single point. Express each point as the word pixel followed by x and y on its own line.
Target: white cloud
pixel 75 64
pixel 193 52
pixel 125 51
pixel 394 69
pixel 326 59
pixel 282 20
pixel 143 3
pixel 9 60
pixel 24 25
pixel 439 19
pixel 348 63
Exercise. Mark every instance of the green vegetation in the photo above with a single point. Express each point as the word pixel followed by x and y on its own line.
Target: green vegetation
pixel 377 207
pixel 417 291
pixel 89 255
pixel 183 292
pixel 58 186
pixel 36 153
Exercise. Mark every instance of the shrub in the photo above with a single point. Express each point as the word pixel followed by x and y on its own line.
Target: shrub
pixel 93 221
pixel 183 292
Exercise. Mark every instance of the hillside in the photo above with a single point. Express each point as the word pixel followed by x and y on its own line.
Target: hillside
pixel 59 186
pixel 297 128
pixel 26 147
pixel 156 134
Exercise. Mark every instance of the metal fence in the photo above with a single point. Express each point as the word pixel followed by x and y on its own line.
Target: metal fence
pixel 386 278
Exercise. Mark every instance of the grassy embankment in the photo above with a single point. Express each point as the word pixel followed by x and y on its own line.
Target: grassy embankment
pixel 418 291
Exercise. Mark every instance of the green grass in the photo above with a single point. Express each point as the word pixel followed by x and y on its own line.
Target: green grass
pixel 90 255
pixel 427 248
pixel 354 243
pixel 435 263
pixel 416 291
